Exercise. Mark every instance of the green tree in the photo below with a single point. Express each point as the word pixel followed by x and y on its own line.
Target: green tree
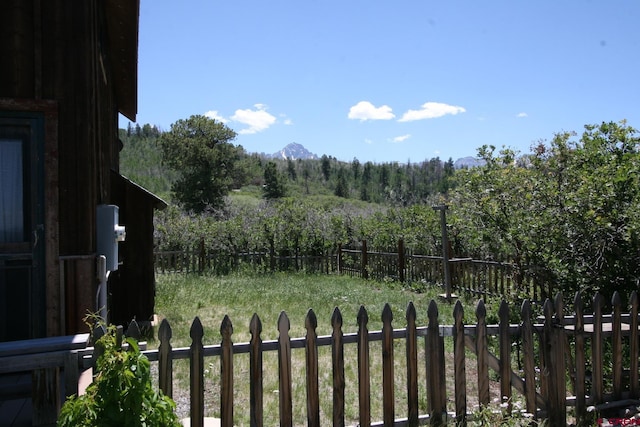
pixel 273 182
pixel 567 214
pixel 291 169
pixel 342 188
pixel 326 167
pixel 199 150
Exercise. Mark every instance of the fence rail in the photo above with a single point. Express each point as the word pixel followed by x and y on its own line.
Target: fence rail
pixel 553 354
pixel 471 276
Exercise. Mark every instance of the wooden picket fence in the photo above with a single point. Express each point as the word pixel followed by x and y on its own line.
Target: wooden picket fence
pixel 559 370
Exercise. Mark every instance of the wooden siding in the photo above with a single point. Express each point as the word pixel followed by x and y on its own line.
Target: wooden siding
pixel 132 286
pixel 80 57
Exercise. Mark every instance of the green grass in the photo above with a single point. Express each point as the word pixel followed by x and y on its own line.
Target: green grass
pixel 182 297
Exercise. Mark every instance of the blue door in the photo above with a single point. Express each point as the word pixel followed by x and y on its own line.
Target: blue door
pixel 22 287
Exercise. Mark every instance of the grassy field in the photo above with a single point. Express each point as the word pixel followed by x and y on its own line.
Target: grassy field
pixel 182 297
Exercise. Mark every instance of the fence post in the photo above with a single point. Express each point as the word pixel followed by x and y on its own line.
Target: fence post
pixel 196 361
pixel 337 359
pixel 412 366
pixel 364 261
pixel 364 385
pixel 284 365
pixel 633 346
pixel 445 249
pixel 388 395
pixel 596 349
pixel 201 256
pixel 527 350
pixel 616 326
pixel 255 368
pixel 311 350
pixel 554 366
pixel 226 373
pixel 272 255
pixel 505 356
pixel 436 387
pixel 460 373
pixel 580 360
pixel 165 359
pixel 401 261
pixel 482 355
pixel 339 258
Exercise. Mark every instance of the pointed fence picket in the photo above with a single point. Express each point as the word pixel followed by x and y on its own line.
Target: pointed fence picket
pixel 548 374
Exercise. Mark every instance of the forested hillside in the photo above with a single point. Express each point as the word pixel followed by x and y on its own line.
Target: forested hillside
pixel 567 213
pixel 387 183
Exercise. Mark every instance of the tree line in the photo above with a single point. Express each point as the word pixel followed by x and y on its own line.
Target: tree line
pixel 567 212
pixel 196 164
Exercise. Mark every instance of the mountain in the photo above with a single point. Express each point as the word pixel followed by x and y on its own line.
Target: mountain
pixel 294 151
pixel 468 162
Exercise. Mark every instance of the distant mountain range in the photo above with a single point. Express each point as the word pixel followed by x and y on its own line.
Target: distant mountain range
pixel 295 151
pixel 468 162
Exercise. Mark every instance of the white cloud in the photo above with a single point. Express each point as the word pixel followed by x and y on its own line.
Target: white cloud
pixel 364 110
pixel 368 141
pixel 257 120
pixel 522 115
pixel 286 120
pixel 213 114
pixel 401 138
pixel 431 110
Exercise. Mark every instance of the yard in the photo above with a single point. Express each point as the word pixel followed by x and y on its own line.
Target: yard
pixel 182 297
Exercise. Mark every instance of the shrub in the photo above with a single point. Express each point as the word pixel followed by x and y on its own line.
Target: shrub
pixel 121 394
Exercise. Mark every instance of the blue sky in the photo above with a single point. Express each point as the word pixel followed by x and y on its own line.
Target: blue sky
pixel 403 80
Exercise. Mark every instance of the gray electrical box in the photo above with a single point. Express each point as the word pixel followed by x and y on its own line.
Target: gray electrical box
pixel 109 233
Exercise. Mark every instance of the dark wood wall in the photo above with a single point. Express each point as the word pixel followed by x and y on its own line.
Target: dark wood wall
pixel 57 50
pixel 132 286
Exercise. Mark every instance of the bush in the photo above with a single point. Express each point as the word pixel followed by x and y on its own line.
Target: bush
pixel 121 394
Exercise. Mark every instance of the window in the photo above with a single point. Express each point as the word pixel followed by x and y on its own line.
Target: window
pixel 12 224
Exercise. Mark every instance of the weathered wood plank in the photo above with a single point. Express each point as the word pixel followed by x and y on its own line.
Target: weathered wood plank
pixel 165 359
pixel 580 376
pixel 435 368
pixel 411 342
pixel 311 353
pixel 364 385
pixel 256 391
pixel 633 345
pixel 284 368
pixel 482 355
pixel 388 390
pixel 554 366
pixel 196 362
pixel 226 373
pixel 505 357
pixel 460 373
pixel 527 350
pixel 616 303
pixel 45 395
pixel 337 359
pixel 596 350
pixel 560 361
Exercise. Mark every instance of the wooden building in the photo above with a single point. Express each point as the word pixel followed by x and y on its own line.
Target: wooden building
pixel 69 68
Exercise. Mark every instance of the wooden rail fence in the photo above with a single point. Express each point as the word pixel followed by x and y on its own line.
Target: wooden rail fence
pixel 471 276
pixel 549 374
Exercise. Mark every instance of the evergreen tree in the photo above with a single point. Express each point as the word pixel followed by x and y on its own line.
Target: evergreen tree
pixel 342 188
pixel 199 150
pixel 273 184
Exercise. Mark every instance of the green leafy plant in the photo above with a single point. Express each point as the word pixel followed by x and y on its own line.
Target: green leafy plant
pixel 121 393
